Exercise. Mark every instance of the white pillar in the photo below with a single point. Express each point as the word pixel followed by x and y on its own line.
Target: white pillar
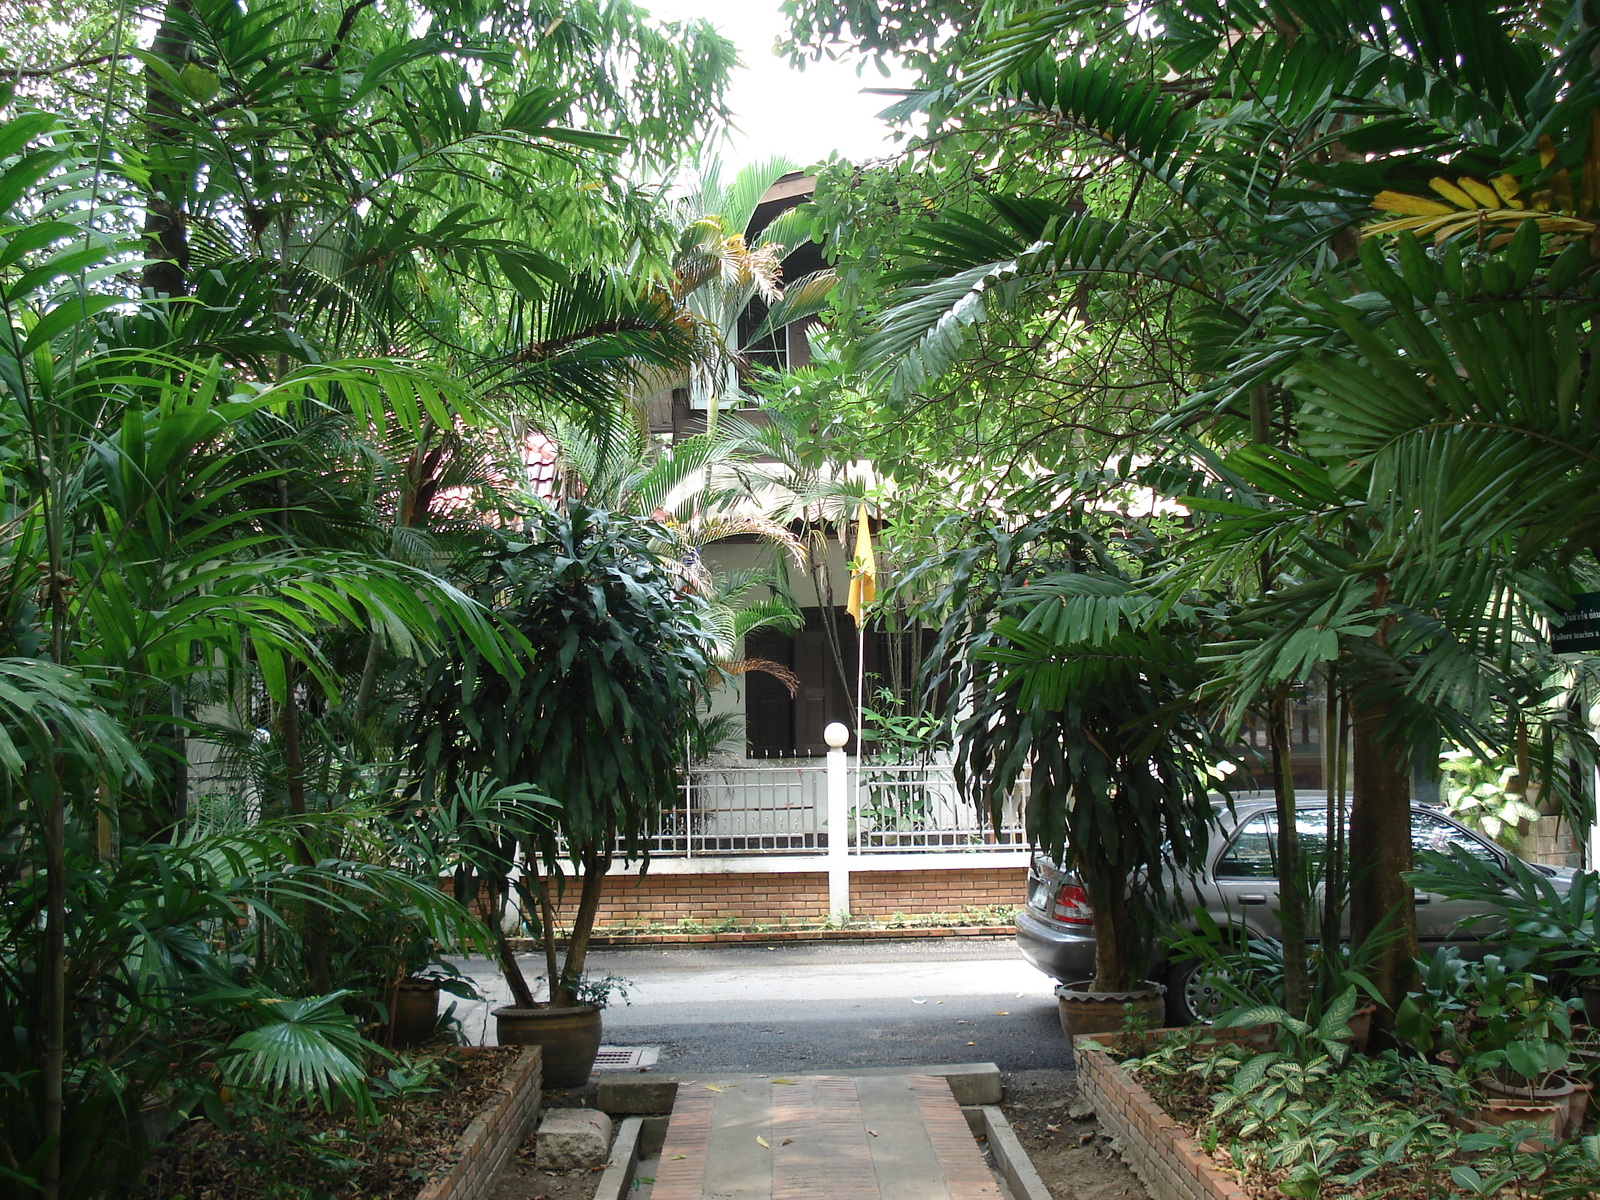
pixel 838 820
pixel 1593 857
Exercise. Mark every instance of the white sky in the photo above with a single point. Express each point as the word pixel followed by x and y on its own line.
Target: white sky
pixel 801 115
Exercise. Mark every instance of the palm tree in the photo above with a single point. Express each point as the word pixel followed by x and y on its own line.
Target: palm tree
pixel 717 271
pixel 1255 139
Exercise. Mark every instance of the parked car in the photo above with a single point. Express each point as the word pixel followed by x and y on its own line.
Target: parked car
pixel 1239 889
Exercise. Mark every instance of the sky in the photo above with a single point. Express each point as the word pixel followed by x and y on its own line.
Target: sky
pixel 802 115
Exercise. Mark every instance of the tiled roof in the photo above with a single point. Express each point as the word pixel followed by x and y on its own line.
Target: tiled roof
pixel 541 459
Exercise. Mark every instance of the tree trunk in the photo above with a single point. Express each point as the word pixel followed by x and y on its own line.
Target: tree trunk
pixel 1336 740
pixel 165 223
pixel 1292 894
pixel 595 865
pixel 54 970
pixel 1112 970
pixel 521 993
pixel 1383 916
pixel 294 770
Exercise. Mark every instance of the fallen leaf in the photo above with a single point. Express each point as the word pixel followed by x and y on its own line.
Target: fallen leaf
pixel 873 1132
pixel 786 1142
pixel 764 1141
pixel 715 1087
pixel 919 1002
pixel 1000 1012
pixel 791 1082
pixel 1053 1128
pixel 938 1001
pixel 679 1157
pixel 971 1043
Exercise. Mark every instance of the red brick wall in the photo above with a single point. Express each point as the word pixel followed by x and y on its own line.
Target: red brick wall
pixel 490 1142
pixel 770 898
pixel 884 893
pixel 755 897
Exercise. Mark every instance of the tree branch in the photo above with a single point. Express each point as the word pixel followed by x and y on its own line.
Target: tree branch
pixel 76 64
pixel 322 61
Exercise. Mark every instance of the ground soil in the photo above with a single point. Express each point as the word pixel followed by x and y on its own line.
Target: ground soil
pixel 273 1152
pixel 417 1134
pixel 1072 1154
pixel 523 1180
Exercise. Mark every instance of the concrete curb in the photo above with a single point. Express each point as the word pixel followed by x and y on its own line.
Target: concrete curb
pixel 618 1176
pixel 1009 1155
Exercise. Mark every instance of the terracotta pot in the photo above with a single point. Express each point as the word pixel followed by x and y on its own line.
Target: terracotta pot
pixel 1563 1093
pixel 413 1012
pixel 1361 1028
pixel 1542 1119
pixel 1083 1011
pixel 568 1037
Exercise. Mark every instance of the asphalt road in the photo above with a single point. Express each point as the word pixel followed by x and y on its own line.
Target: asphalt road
pixel 814 1006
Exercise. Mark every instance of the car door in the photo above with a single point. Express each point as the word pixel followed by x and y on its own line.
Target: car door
pixel 1438 919
pixel 1243 890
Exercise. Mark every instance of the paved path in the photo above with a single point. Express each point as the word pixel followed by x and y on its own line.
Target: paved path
pixel 821 1137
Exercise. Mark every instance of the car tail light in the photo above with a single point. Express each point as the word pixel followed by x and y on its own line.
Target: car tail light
pixel 1072 906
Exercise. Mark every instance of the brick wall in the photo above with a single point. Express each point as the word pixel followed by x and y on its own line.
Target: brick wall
pixel 771 898
pixel 1161 1154
pixel 884 893
pixel 755 897
pixel 494 1135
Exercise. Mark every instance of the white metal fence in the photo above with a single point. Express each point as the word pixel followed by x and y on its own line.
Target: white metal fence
pixel 919 808
pixel 783 810
pixel 746 810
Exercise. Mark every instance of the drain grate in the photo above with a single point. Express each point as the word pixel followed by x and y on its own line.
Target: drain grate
pixel 626 1058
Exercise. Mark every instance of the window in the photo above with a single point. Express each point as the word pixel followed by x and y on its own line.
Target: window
pixel 778 725
pixel 1429 832
pixel 1253 853
pixel 770 351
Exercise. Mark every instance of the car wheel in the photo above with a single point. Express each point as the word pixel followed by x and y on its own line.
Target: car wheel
pixel 1192 995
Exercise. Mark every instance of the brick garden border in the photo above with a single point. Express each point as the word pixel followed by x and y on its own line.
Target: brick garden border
pixel 1165 1158
pixel 488 1143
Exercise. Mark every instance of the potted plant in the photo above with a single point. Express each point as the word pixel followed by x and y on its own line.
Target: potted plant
pixel 394 926
pixel 613 647
pixel 1514 1042
pixel 1081 684
pixel 1553 922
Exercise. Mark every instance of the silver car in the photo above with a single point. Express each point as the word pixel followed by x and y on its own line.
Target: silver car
pixel 1239 888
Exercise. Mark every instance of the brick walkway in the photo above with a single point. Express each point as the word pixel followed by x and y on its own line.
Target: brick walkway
pixel 821 1137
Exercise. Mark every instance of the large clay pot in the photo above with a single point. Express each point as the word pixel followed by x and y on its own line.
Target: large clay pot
pixel 1083 1011
pixel 1542 1118
pixel 1560 1091
pixel 568 1037
pixel 414 1012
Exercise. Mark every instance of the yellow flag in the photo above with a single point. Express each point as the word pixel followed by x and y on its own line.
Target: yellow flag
pixel 864 572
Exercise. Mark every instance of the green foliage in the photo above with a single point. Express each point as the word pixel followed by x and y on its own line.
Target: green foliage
pixel 1481 795
pixel 1058 663
pixel 1556 929
pixel 613 650
pixel 611 654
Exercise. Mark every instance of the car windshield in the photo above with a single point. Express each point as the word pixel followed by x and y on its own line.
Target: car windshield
pixel 1253 852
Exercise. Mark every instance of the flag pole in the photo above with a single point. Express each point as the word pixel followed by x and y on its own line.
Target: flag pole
pixel 863 587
